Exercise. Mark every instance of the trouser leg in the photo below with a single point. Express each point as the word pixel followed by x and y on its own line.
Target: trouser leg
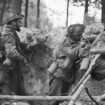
pixel 58 87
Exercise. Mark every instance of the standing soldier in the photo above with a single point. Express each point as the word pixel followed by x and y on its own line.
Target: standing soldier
pixel 63 70
pixel 10 66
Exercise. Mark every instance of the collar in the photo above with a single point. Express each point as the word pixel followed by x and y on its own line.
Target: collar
pixel 10 28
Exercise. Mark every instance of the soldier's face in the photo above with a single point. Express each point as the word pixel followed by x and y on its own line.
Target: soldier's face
pixel 77 37
pixel 19 22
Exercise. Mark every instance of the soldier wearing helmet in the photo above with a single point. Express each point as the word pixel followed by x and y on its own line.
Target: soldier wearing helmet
pixel 75 31
pixel 13 56
pixel 64 69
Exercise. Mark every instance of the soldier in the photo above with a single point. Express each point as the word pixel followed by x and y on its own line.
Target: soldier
pixel 63 70
pixel 98 47
pixel 10 65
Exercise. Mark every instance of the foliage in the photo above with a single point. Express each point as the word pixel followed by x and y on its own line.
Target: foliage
pixel 31 37
pixel 38 55
pixel 45 23
pixel 96 3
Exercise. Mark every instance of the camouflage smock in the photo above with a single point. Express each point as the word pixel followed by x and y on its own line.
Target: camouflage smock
pixel 12 42
pixel 13 52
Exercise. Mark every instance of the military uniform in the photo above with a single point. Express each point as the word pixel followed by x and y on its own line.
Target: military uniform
pixel 98 71
pixel 66 74
pixel 12 52
pixel 66 57
pixel 63 78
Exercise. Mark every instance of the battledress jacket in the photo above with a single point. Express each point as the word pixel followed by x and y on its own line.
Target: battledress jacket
pixel 67 74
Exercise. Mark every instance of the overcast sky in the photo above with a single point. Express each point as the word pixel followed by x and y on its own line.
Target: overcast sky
pixel 56 11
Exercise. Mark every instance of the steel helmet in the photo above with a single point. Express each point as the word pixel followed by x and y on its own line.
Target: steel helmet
pixel 75 30
pixel 11 17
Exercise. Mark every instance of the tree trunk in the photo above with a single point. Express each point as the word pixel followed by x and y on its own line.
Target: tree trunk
pixel 103 11
pixel 3 2
pixel 67 13
pixel 86 12
pixel 38 14
pixel 16 6
pixel 26 13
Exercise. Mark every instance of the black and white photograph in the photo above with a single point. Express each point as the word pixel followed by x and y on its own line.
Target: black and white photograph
pixel 52 52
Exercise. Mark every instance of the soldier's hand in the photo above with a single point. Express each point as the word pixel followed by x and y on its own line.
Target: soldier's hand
pixel 67 50
pixel 25 61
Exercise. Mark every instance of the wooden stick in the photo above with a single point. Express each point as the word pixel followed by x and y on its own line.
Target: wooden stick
pixel 39 98
pixel 77 93
pixel 87 73
pixel 35 98
pixel 80 86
